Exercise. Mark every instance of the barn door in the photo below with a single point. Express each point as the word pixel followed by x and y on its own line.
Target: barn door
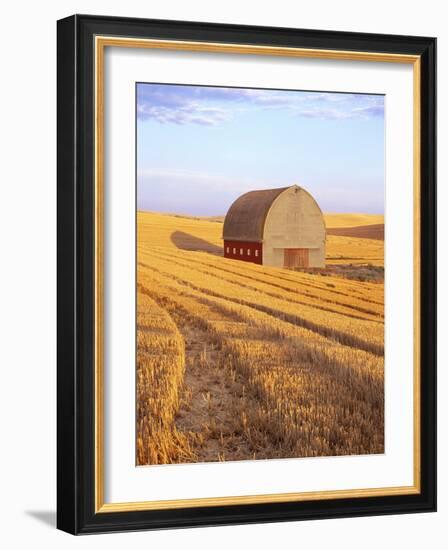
pixel 296 257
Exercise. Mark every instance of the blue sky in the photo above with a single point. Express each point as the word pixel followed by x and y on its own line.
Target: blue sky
pixel 199 148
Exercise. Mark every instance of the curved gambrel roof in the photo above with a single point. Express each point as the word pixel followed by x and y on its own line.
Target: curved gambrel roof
pixel 246 216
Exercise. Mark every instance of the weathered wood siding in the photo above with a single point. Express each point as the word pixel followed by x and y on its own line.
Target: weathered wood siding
pixel 243 250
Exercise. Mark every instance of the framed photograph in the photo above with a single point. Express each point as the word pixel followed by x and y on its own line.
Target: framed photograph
pixel 246 274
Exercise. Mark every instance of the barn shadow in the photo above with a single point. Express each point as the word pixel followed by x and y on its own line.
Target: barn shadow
pixel 185 241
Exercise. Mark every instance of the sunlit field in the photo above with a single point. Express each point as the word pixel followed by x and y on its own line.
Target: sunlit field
pixel 237 361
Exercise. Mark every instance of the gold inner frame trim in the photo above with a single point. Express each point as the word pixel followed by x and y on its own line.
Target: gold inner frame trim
pixel 101 42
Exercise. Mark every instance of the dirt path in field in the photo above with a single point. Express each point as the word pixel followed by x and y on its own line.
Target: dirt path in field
pixel 213 401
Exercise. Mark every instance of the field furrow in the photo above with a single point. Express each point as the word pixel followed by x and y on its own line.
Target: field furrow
pixel 289 381
pixel 294 293
pixel 355 362
pixel 160 371
pixel 368 300
pixel 213 398
pixel 366 335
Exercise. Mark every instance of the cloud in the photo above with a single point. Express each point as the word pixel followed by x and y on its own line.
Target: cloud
pixel 212 106
pixel 343 107
pixel 370 111
pixel 324 114
pixel 185 114
pixel 365 113
pixel 184 104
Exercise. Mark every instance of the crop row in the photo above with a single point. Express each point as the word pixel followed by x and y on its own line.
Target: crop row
pixel 315 396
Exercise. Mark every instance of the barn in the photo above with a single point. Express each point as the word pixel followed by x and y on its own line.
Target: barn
pixel 281 227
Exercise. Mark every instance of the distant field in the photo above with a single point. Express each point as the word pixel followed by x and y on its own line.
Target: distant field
pixel 188 233
pixel 360 231
pixel 331 220
pixel 352 220
pixel 237 361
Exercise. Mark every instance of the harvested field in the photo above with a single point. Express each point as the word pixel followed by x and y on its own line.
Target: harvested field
pixel 238 361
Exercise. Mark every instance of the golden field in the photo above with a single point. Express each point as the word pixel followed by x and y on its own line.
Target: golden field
pixel 239 361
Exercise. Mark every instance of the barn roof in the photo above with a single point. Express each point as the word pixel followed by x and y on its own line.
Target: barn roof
pixel 246 216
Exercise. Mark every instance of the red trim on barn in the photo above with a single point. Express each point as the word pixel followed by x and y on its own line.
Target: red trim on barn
pixel 244 251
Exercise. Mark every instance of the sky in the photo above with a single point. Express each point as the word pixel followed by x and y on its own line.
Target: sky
pixel 199 147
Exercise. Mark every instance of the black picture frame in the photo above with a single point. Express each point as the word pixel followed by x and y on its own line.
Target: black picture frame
pixel 76 271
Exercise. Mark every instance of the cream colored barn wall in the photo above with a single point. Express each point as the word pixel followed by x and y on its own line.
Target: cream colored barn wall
pixel 317 257
pixel 294 221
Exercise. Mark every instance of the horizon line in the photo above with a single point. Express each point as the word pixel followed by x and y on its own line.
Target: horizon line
pixel 169 213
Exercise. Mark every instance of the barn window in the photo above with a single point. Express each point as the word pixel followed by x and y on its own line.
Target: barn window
pixel 248 251
pixel 227 250
pixel 234 250
pixel 241 251
pixel 256 253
